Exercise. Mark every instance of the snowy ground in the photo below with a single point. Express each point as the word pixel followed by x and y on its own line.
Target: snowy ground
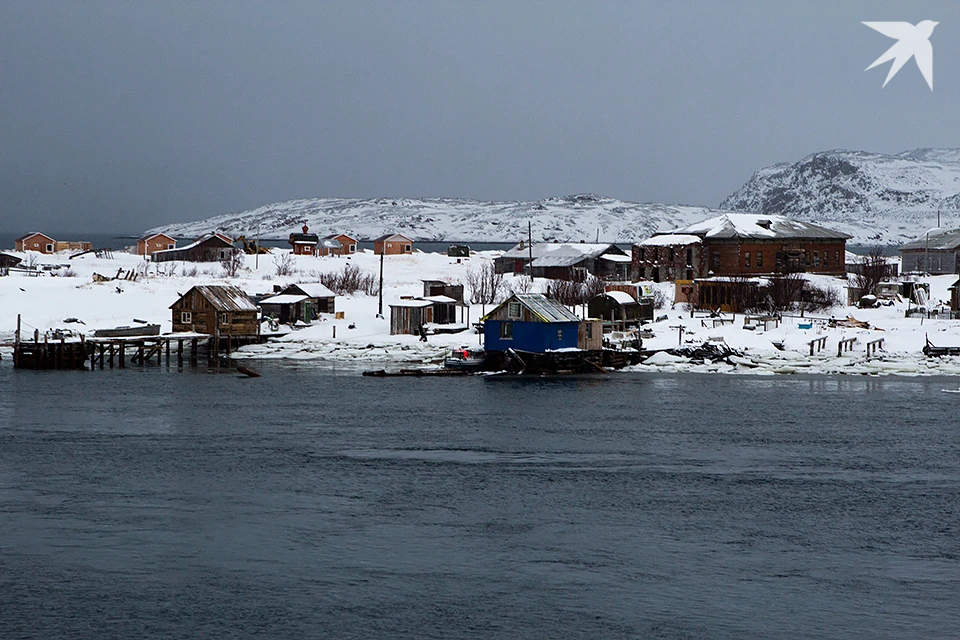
pixel 45 302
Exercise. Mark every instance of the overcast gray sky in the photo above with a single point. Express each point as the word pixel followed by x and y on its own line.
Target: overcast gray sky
pixel 118 116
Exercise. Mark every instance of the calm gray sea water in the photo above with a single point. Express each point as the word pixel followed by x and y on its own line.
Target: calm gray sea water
pixel 316 503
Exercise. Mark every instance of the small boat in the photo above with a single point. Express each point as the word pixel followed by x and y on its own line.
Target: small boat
pixel 465 359
pixel 128 331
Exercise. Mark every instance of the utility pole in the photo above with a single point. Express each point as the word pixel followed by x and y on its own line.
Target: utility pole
pixel 530 248
pixel 380 301
pixel 256 259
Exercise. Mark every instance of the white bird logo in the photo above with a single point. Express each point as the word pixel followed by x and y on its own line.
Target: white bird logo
pixel 912 42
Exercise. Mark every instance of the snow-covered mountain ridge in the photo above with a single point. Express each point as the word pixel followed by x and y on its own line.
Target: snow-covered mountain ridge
pixel 570 218
pixel 877 198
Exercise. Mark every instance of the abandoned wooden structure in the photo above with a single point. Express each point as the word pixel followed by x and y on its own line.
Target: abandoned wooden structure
pixel 407 316
pixel 620 310
pixel 222 311
pixel 213 247
pixel 741 244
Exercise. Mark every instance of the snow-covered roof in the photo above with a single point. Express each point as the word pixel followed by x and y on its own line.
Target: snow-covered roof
pixel 621 297
pixel 543 308
pixel 412 303
pixel 444 299
pixel 670 240
pixel 284 299
pixel 757 226
pixel 936 240
pixel 565 255
pixel 313 290
pixel 615 257
pixel 542 248
pixel 327 243
pixel 197 242
pixel 223 297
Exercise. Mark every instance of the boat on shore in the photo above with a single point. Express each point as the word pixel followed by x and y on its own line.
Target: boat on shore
pixel 465 359
pixel 128 331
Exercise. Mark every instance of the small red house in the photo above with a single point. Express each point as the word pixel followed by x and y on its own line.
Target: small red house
pixel 393 244
pixel 147 245
pixel 304 244
pixel 36 241
pixel 348 245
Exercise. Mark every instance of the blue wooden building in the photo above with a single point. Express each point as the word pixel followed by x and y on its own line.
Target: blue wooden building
pixel 530 322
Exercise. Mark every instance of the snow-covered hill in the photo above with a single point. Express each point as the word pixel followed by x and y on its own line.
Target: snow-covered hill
pixel 877 198
pixel 571 218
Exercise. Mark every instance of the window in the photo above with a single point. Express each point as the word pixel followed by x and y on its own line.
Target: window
pixel 223 254
pixel 759 259
pixel 352 248
pixel 640 252
pixel 171 246
pixel 225 319
pixel 407 248
pixel 672 253
pixel 689 257
pixel 715 260
pixel 49 248
pixel 836 258
pixel 186 317
pixel 559 334
pixel 389 245
pixel 816 259
pixel 826 259
pixel 513 310
pixel 746 260
pixel 506 331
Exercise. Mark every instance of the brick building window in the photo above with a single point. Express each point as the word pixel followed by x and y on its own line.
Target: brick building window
pixel 746 260
pixel 816 259
pixel 689 257
pixel 759 259
pixel 715 260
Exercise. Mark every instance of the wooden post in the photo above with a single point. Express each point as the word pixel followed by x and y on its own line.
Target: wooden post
pixel 168 351
pixel 179 353
pixel 111 355
pixel 194 345
pixel 123 355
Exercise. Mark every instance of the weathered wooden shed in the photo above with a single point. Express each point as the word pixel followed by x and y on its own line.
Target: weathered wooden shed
pixel 619 310
pixel 7 261
pixel 406 316
pixel 319 298
pixel 220 311
pixel 287 308
pixel 212 247
pixel 530 322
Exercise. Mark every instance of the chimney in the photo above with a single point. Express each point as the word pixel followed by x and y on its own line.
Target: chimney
pixel 521 244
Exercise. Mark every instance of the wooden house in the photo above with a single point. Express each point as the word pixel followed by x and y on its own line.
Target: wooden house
pixel 566 261
pixel 393 244
pixel 347 244
pixel 304 244
pixel 212 247
pixel 329 247
pixel 36 241
pixel 220 311
pixel 319 297
pixel 530 322
pixel 620 310
pixel 935 252
pixel 148 245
